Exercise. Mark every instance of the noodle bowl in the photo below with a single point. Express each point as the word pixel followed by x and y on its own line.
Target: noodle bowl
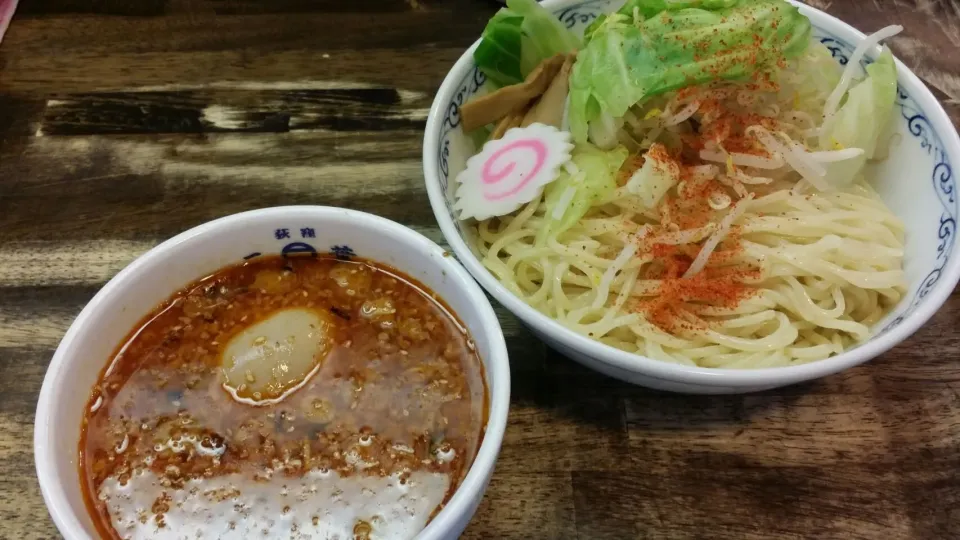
pixel 808 282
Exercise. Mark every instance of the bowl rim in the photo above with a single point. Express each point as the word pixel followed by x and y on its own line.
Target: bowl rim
pixel 471 488
pixel 666 371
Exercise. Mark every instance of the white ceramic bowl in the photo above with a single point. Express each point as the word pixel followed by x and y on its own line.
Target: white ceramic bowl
pixel 916 181
pixel 153 277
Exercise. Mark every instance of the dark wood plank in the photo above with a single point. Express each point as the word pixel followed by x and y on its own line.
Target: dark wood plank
pixel 526 505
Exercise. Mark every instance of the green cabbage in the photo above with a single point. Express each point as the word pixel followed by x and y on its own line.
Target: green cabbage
pixel 863 120
pixel 498 55
pixel 518 38
pixel 625 61
pixel 866 112
pixel 815 75
pixel 648 8
pixel 655 178
pixel 598 179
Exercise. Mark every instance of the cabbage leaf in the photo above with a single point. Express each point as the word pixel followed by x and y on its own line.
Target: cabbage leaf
pixel 866 112
pixel 627 59
pixel 862 121
pixel 517 38
pixel 597 179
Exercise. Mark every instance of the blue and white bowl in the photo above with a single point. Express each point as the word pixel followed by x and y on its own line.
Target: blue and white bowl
pixel 916 181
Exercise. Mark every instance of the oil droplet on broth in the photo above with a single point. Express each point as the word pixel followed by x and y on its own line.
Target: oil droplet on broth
pixel 275 355
pixel 236 506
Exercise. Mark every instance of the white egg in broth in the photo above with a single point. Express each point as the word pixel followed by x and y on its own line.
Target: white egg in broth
pixel 270 357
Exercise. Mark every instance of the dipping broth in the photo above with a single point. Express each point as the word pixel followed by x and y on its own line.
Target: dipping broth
pixel 302 397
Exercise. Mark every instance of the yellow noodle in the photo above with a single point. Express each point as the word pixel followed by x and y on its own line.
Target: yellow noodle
pixel 831 263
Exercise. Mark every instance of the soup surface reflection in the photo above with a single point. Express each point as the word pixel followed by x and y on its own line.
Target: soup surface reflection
pixel 303 397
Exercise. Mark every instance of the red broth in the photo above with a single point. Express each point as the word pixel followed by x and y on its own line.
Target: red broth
pixel 359 422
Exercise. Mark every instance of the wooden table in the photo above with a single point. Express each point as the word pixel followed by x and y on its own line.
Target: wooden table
pixel 123 123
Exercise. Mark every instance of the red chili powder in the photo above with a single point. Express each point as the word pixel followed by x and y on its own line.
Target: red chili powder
pixel 722 283
pixel 725 127
pixel 679 300
pixel 725 281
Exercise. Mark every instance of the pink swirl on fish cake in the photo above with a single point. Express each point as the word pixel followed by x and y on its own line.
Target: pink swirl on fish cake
pixel 516 182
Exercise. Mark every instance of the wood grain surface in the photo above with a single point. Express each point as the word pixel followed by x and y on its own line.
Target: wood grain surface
pixel 125 122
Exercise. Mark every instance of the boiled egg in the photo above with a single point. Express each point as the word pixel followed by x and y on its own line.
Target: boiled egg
pixel 273 357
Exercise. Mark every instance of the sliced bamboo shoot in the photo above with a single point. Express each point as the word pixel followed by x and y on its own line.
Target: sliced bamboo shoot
pixel 548 108
pixel 508 100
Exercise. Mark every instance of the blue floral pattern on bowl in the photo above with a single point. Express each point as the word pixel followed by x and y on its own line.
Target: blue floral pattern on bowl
pixel 942 179
pixel 937 239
